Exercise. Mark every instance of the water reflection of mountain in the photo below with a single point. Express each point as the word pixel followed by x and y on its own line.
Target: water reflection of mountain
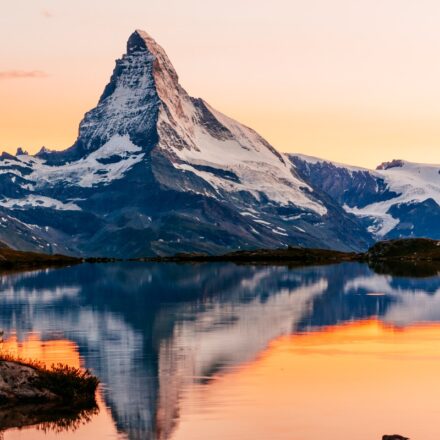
pixel 149 330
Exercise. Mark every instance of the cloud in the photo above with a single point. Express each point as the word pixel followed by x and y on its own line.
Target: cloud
pixel 21 74
pixel 46 13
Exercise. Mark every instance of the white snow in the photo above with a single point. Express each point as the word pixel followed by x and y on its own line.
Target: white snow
pixel 34 201
pixel 259 168
pixel 248 214
pixel 384 222
pixel 88 171
pixel 262 222
pixel 299 229
pixel 412 182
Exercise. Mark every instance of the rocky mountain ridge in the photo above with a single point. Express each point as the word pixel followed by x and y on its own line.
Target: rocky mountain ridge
pixel 155 172
pixel 399 199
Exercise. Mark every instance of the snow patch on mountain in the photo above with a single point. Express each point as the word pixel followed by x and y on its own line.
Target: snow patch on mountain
pixel 410 182
pixel 34 201
pixel 92 170
pixel 384 222
pixel 413 182
pixel 108 163
pixel 259 168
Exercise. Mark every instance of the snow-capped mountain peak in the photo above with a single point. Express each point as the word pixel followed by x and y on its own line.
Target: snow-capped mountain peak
pixel 156 171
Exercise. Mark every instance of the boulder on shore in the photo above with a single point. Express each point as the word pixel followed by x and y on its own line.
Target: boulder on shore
pixel 26 382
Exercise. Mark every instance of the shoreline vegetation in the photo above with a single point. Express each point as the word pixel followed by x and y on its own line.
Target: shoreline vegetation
pixel 413 251
pixel 41 384
pixel 14 260
pixel 11 260
pixel 290 254
pixel 56 398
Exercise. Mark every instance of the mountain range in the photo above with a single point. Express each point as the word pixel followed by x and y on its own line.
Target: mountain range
pixel 155 171
pixel 398 200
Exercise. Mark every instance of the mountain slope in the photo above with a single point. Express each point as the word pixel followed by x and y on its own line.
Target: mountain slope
pixel 155 171
pixel 397 200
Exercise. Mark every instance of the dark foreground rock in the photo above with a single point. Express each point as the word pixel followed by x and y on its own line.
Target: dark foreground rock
pixel 394 437
pixel 24 383
pixel 60 398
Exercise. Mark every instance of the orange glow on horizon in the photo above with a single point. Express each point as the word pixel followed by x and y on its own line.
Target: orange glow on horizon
pixel 358 380
pixel 60 351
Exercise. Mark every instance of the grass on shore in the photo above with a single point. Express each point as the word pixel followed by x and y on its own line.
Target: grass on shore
pixel 72 385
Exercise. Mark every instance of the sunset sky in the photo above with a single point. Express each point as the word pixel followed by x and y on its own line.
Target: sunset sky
pixel 354 81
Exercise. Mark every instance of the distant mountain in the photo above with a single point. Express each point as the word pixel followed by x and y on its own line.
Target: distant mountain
pixel 154 172
pixel 398 200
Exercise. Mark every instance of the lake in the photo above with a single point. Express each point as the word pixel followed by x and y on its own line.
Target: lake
pixel 223 351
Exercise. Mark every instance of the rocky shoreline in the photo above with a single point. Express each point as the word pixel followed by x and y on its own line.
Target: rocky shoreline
pixel 291 255
pixel 58 398
pixel 403 251
pixel 11 259
pixel 24 382
pixel 415 250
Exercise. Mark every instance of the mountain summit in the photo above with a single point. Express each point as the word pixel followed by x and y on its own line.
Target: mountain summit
pixel 155 171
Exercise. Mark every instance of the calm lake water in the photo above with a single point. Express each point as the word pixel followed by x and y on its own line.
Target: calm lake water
pixel 220 351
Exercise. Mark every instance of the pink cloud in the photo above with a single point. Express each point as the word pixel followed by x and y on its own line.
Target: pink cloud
pixel 20 74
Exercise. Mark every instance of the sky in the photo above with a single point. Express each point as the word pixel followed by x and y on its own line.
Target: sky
pixel 355 81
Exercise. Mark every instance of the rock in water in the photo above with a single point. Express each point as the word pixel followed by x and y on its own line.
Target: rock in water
pixel 22 382
pixel 18 383
pixel 394 437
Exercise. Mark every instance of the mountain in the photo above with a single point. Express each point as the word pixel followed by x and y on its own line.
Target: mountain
pixel 154 172
pixel 397 200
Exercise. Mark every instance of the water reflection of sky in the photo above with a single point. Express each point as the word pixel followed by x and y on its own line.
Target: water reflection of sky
pixel 181 348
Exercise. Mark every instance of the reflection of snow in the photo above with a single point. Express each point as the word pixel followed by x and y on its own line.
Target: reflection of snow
pixel 412 303
pixel 223 334
pixel 372 283
pixel 38 296
pixel 232 333
pixel 414 307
